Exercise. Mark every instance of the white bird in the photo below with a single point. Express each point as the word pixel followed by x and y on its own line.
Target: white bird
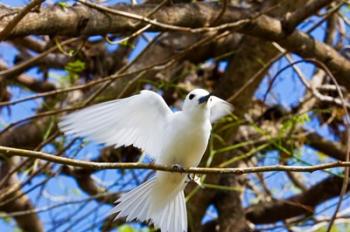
pixel 170 138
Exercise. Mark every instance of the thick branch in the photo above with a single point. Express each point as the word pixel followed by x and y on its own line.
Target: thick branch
pixel 28 222
pixel 82 20
pixel 301 204
pixel 28 136
pixel 311 8
pixel 89 185
pixel 9 27
pixel 29 82
pixel 330 148
pixel 33 84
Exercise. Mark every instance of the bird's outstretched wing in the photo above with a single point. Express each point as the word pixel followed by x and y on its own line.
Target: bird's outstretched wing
pixel 219 108
pixel 138 120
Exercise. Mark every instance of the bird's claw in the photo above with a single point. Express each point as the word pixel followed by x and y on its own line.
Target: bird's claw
pixel 178 167
pixel 191 176
pixel 194 178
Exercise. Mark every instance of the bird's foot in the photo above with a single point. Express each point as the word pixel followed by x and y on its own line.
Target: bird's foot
pixel 194 178
pixel 178 167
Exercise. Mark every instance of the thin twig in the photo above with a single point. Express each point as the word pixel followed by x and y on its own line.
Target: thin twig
pixel 51 207
pixel 141 30
pixel 83 86
pixel 125 39
pixel 221 13
pixel 347 124
pixel 291 20
pixel 314 91
pixel 166 26
pixel 22 66
pixel 39 115
pixel 197 170
pixel 347 157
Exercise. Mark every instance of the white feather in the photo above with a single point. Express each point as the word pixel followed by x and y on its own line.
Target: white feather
pixel 219 108
pixel 138 120
pixel 136 205
pixel 145 121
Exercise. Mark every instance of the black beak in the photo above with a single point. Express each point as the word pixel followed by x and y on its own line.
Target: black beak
pixel 204 99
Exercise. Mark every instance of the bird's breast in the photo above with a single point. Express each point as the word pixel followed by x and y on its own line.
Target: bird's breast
pixel 186 144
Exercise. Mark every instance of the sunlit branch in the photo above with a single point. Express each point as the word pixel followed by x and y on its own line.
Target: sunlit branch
pixel 196 170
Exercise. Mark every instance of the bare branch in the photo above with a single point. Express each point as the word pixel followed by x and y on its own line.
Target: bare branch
pixel 24 65
pixel 293 19
pixel 300 204
pixel 106 165
pixel 9 27
pixel 81 20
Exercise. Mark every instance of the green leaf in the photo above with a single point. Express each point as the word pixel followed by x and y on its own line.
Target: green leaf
pixel 126 43
pixel 289 124
pixel 17 229
pixel 126 228
pixel 75 67
pixel 5 218
pixel 321 155
pixel 49 129
pixel 324 229
pixel 63 5
pixel 76 191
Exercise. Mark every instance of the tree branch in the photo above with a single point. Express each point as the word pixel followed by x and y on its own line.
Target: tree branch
pixel 82 20
pixel 330 148
pixel 197 170
pixel 291 20
pixel 301 204
pixel 9 27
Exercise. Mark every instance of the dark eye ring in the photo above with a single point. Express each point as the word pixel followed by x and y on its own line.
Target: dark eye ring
pixel 191 96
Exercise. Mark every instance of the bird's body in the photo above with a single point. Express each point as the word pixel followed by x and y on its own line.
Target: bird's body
pixel 178 138
pixel 182 147
pixel 185 143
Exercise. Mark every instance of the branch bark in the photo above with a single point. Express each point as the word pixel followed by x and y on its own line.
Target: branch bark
pixel 9 27
pixel 9 151
pixel 291 20
pixel 27 136
pixel 301 204
pixel 82 20
pixel 330 148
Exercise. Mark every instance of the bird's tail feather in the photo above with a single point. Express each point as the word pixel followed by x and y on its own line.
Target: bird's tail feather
pixel 136 204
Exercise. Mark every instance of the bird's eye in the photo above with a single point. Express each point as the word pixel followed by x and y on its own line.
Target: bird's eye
pixel 191 96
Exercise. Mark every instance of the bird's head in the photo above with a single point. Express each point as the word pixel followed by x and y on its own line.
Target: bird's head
pixel 197 100
pixel 200 102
